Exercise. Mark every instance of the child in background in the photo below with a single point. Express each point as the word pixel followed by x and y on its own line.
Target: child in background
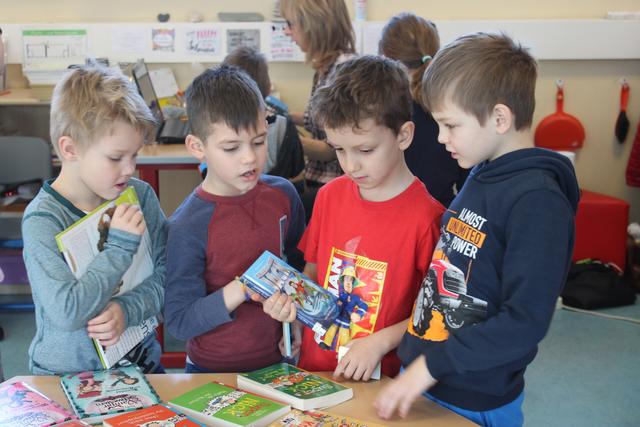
pixel 224 226
pixel 374 229
pixel 284 150
pixel 98 124
pixel 506 241
pixel 413 41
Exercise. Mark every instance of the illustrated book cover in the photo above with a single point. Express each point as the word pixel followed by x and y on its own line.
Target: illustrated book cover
pixel 98 395
pixel 21 405
pixel 301 389
pixel 316 307
pixel 217 404
pixel 156 415
pixel 314 418
pixel 82 241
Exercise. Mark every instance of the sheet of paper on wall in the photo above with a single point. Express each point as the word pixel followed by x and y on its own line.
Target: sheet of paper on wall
pixel 243 37
pixel 129 40
pixel 164 82
pixel 281 46
pixel 48 52
pixel 203 41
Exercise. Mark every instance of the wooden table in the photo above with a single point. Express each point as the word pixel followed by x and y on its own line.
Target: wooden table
pixel 169 386
pixel 156 157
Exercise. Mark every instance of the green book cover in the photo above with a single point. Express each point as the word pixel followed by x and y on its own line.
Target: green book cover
pixel 218 401
pixel 293 381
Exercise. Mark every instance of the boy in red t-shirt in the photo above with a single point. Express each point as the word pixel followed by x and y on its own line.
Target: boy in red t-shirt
pixel 373 230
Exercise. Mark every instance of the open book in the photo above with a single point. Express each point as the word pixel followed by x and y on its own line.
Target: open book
pixel 80 244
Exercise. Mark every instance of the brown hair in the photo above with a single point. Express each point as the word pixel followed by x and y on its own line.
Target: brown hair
pixel 362 88
pixel 480 70
pixel 325 26
pixel 224 94
pixel 253 63
pixel 413 41
pixel 89 99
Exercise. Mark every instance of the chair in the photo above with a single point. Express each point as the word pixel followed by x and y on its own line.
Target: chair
pixel 23 159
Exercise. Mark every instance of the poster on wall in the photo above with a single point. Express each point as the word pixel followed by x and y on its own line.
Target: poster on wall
pixel 243 37
pixel 163 39
pixel 204 41
pixel 282 47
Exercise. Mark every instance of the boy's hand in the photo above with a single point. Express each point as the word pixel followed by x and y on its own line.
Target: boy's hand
pixel 404 390
pixel 361 360
pixel 280 306
pixel 108 325
pixel 128 218
pixel 296 340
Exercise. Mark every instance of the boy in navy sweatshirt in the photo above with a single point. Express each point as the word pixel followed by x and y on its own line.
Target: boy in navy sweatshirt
pixel 506 241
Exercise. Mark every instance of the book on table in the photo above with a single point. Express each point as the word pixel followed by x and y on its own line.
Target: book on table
pixel 22 405
pixel 73 423
pixel 97 395
pixel 81 243
pixel 315 418
pixel 156 415
pixel 217 404
pixel 299 388
pixel 316 307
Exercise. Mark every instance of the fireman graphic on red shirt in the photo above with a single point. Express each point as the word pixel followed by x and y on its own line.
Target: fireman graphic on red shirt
pixel 352 309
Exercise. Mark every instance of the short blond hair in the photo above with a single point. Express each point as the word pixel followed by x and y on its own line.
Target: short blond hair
pixel 88 100
pixel 325 26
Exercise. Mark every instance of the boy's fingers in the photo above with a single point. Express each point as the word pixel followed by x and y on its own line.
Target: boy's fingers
pixel 405 405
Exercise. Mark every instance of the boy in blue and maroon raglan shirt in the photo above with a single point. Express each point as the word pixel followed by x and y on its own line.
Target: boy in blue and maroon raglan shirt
pixel 224 225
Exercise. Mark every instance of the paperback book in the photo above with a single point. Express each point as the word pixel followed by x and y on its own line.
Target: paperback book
pixel 156 415
pixel 300 389
pixel 97 395
pixel 81 243
pixel 314 418
pixel 22 406
pixel 217 404
pixel 316 307
pixel 74 423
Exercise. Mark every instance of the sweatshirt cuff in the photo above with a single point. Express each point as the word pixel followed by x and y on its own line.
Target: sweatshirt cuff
pixel 439 363
pixel 216 313
pixel 124 240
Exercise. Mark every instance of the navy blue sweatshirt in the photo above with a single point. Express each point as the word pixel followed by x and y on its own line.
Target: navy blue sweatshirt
pixel 495 276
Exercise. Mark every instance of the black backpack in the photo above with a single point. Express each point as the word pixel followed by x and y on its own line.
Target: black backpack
pixel 593 284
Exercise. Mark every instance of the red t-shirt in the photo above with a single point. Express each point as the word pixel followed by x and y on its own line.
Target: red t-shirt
pixel 388 244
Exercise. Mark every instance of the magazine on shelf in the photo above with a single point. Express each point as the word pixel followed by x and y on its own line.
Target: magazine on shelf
pixel 81 243
pixel 316 307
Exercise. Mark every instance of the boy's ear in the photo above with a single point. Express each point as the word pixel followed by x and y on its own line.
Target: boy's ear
pixel 405 135
pixel 503 118
pixel 68 148
pixel 195 146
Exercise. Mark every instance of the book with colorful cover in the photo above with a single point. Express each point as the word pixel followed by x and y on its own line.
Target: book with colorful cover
pixel 74 423
pixel 156 415
pixel 82 241
pixel 314 418
pixel 316 307
pixel 22 405
pixel 299 388
pixel 98 395
pixel 217 404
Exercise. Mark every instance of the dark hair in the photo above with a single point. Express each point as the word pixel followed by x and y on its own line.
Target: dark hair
pixel 413 41
pixel 363 88
pixel 253 63
pixel 480 70
pixel 224 94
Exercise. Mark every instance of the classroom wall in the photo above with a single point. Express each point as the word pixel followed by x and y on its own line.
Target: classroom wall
pixel 591 87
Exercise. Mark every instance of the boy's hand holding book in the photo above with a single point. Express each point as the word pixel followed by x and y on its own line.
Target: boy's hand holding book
pixel 280 307
pixel 107 326
pixel 362 359
pixel 296 340
pixel 128 218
